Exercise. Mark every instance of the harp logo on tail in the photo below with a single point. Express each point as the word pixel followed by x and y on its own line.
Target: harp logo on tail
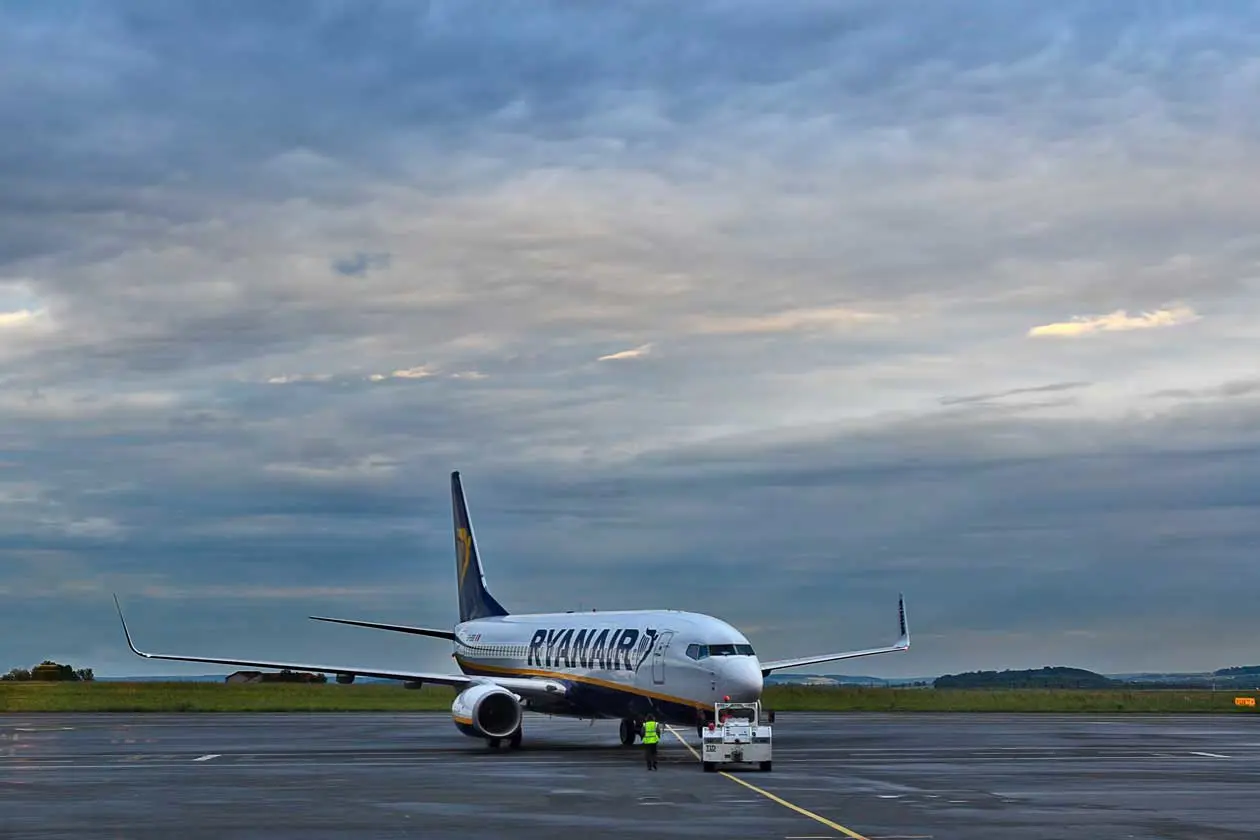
pixel 465 551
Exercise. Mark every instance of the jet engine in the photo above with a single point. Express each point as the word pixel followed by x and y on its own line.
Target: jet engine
pixel 486 711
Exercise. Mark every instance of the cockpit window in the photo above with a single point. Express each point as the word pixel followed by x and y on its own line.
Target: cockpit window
pixel 705 651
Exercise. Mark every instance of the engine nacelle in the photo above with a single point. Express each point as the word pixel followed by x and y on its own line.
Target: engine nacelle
pixel 486 711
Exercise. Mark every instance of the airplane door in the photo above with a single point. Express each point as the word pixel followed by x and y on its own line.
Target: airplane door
pixel 658 657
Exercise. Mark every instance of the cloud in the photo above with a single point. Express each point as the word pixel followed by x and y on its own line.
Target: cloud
pixel 1012 392
pixel 17 318
pixel 635 353
pixel 417 372
pixel 248 337
pixel 789 321
pixel 94 526
pixel 1225 390
pixel 289 379
pixel 360 263
pixel 1117 321
pixel 371 466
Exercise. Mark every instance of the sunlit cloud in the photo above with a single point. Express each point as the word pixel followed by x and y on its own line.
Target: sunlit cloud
pixel 822 318
pixel 418 372
pixel 634 353
pixel 1117 321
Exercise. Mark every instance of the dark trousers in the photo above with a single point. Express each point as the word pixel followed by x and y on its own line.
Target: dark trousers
pixel 650 755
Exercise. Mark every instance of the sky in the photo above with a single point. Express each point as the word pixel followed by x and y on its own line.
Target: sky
pixel 769 311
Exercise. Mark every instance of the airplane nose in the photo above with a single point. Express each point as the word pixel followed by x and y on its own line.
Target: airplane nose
pixel 741 679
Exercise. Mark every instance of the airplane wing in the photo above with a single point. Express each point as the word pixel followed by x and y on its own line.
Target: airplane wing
pixel 902 643
pixel 518 685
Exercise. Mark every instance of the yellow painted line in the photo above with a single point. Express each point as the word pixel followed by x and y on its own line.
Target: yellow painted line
pixel 674 732
pixel 768 795
pixel 798 809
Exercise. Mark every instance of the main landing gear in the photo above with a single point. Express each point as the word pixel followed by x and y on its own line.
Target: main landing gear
pixel 514 740
pixel 629 731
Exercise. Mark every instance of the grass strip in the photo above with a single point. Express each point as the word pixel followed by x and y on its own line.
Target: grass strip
pixel 297 697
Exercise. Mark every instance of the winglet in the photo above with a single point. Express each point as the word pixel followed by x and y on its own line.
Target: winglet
pixel 902 644
pixel 126 632
pixel 903 641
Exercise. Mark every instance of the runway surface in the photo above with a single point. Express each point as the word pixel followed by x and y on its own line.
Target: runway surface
pixel 880 777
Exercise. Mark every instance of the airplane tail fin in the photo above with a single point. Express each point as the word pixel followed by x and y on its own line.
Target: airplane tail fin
pixel 474 600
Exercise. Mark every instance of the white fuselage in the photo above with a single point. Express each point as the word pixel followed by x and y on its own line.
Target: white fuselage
pixel 673 663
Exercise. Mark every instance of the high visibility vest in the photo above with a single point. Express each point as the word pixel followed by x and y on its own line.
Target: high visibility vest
pixel 650 735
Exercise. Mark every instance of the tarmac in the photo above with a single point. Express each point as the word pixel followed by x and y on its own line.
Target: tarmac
pixel 871 776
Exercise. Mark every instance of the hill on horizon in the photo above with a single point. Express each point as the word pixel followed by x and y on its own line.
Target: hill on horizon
pixel 1047 677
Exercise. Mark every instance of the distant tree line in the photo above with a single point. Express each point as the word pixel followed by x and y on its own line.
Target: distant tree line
pixel 49 671
pixel 1241 671
pixel 1062 677
pixel 1048 677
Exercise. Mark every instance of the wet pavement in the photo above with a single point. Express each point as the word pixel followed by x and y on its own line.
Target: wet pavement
pixel 875 776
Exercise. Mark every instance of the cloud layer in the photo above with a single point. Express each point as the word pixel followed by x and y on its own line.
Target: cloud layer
pixel 742 289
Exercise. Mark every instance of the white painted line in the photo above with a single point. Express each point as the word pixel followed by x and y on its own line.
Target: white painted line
pixel 207 757
pixel 1209 755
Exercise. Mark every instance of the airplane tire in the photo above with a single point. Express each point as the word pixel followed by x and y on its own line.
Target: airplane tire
pixel 492 743
pixel 515 741
pixel 627 733
pixel 709 766
pixel 765 767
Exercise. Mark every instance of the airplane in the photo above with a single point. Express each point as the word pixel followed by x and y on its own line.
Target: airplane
pixel 586 665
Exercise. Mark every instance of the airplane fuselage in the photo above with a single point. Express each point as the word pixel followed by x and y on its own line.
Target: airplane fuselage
pixel 618 664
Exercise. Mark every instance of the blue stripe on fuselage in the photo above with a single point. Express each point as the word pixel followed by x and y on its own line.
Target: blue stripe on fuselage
pixel 603 701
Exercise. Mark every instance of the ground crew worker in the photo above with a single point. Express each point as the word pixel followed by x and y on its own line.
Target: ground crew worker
pixel 651 737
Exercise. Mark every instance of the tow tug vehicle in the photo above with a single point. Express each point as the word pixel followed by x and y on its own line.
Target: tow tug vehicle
pixel 737 735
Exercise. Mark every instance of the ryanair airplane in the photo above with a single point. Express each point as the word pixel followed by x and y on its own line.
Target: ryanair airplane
pixel 587 665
